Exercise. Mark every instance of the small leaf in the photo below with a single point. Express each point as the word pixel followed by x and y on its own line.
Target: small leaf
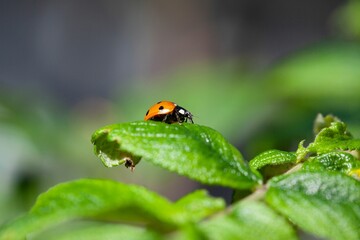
pixel 332 138
pixel 103 200
pixel 191 150
pixel 333 161
pixel 272 157
pixel 326 204
pixel 332 145
pixel 322 122
pixel 336 130
pixel 249 220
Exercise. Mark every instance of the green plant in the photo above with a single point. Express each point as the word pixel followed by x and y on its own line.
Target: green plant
pixel 314 189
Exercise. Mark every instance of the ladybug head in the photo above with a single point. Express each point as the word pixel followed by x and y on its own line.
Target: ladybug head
pixel 184 114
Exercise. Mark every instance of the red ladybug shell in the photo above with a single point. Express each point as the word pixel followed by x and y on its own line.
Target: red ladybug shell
pixel 168 112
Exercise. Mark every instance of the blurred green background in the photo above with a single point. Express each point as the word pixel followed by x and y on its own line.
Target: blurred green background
pixel 258 72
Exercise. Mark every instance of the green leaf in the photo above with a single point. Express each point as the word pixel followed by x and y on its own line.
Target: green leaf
pixel 334 137
pixel 103 200
pixel 195 151
pixel 326 204
pixel 332 145
pixel 322 122
pixel 200 204
pixel 249 220
pixel 191 232
pixel 336 130
pixel 333 161
pixel 301 152
pixel 98 231
pixel 272 157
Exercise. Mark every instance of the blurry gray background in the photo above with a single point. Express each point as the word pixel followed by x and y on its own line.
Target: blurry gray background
pixel 73 50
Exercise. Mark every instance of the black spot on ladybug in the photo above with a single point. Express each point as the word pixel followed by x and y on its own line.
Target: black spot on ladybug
pixel 161 107
pixel 147 113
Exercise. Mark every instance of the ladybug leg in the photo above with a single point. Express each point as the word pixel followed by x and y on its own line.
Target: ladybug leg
pixel 165 118
pixel 188 116
pixel 191 119
pixel 178 118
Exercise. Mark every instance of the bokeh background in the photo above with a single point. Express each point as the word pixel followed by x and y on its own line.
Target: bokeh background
pixel 256 71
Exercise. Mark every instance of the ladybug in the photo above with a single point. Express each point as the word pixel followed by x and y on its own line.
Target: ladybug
pixel 168 112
